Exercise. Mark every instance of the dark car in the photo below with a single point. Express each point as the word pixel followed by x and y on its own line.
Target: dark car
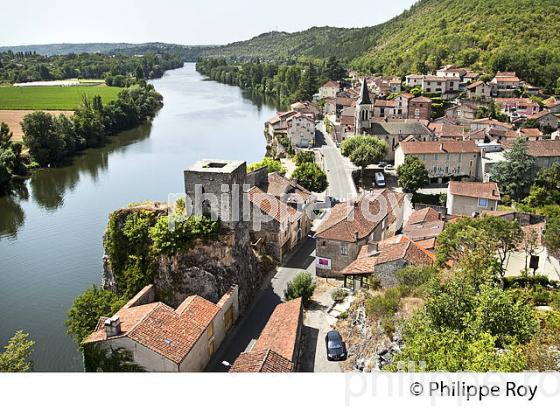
pixel 336 348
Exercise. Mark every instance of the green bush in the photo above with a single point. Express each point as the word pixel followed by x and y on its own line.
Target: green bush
pixel 304 157
pixel 273 165
pixel 541 296
pixel 338 295
pixel 385 305
pixel 311 177
pixel 302 286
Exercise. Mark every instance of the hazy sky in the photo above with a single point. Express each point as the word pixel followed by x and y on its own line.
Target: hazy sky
pixel 174 21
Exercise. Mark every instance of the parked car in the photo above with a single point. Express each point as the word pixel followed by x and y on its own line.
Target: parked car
pixel 389 168
pixel 380 180
pixel 336 348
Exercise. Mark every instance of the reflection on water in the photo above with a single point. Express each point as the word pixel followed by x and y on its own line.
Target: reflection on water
pixel 51 226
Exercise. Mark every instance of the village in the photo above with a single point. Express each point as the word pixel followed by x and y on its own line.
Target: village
pixel 359 233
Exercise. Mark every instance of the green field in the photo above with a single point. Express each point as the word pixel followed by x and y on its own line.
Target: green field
pixel 52 98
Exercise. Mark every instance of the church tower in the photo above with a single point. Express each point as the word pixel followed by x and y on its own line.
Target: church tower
pixel 364 109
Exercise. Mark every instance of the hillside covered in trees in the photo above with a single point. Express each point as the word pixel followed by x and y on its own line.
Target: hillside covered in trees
pixel 486 35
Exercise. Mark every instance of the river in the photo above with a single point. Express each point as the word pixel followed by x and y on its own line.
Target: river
pixel 51 229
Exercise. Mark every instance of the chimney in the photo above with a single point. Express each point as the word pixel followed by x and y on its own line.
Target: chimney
pixel 113 326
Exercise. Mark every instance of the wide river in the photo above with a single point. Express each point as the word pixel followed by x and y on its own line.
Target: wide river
pixel 51 230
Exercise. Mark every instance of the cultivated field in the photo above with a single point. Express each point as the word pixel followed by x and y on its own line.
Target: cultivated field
pixel 52 98
pixel 14 117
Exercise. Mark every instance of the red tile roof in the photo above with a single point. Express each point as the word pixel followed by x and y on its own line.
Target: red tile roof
pixel 541 148
pixel 261 361
pixel 282 330
pixel 437 147
pixel 424 215
pixel 390 250
pixel 488 190
pixel 354 220
pixel 272 206
pixel 284 188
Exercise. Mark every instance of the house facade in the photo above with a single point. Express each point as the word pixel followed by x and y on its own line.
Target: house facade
pixel 469 198
pixel 350 225
pixel 301 130
pixel 479 90
pixel 329 89
pixel 162 339
pixel 443 159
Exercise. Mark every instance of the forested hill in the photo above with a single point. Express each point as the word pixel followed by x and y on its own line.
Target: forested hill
pixel 188 53
pixel 487 35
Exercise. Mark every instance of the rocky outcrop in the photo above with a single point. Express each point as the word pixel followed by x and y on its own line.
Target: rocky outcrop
pixel 210 269
pixel 207 267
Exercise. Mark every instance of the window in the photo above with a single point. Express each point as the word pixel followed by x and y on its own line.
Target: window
pixel 483 202
pixel 344 249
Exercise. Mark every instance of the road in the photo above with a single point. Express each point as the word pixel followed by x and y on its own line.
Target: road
pixel 250 325
pixel 338 168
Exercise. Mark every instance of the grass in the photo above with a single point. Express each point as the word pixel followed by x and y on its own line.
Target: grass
pixel 52 98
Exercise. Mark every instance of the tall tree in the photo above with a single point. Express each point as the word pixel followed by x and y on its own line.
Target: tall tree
pixel 413 174
pixel 516 174
pixel 308 84
pixel 40 136
pixel 16 357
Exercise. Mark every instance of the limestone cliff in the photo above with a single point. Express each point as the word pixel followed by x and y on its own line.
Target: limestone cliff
pixel 206 266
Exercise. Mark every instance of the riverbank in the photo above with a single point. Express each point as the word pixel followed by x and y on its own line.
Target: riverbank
pixel 61 213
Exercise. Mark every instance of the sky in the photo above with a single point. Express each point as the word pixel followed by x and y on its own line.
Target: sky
pixel 189 22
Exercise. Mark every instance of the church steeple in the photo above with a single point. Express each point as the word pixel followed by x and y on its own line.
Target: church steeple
pixel 364 94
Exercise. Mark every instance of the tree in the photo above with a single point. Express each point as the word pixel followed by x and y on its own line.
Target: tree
pixel 272 164
pixel 304 157
pixel 88 124
pixel 5 136
pixel 363 150
pixel 515 175
pixel 311 177
pixel 546 189
pixel 45 145
pixel 308 84
pixel 413 174
pixel 16 355
pixel 88 308
pixel 333 70
pixel 506 236
pixel 542 352
pixel 552 235
pixel 301 286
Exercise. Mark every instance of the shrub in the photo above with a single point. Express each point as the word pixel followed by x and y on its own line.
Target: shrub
pixel 88 308
pixel 541 296
pixel 304 157
pixel 338 295
pixel 273 165
pixel 415 276
pixel 302 286
pixel 311 177
pixel 386 305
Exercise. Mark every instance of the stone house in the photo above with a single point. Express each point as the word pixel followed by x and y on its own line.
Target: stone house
pixel 443 159
pixel 463 114
pixel 469 198
pixel 276 226
pixel 545 119
pixel 487 124
pixel 420 108
pixel 504 84
pixel 329 89
pixel 521 106
pixel 393 132
pixel 308 108
pixel 545 152
pixel 480 90
pixel 301 130
pixel 447 131
pixel 162 339
pixel 401 105
pixel 383 108
pixel 379 262
pixel 277 349
pixel 423 226
pixel 348 226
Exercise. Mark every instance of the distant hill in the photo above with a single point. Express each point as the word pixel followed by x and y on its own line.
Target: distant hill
pixel 189 53
pixel 487 35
